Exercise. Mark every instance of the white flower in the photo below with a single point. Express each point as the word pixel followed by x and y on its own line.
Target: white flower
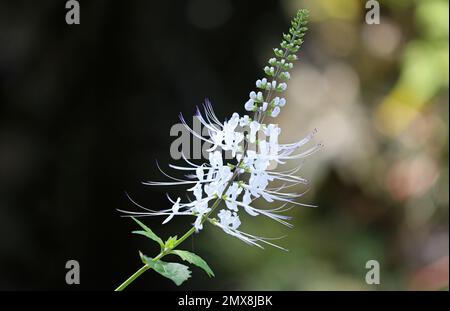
pixel 199 172
pixel 229 220
pixel 244 121
pixel 231 196
pixel 285 75
pixel 215 159
pixel 264 106
pixel 249 105
pixel 197 190
pixel 217 138
pixel 277 101
pixel 275 112
pixel 232 138
pixel 270 71
pixel 273 131
pixel 282 87
pixel 200 209
pixel 246 200
pixel 175 208
pixel 273 85
pixel 254 128
pixel 257 183
pixel 261 83
pixel 257 97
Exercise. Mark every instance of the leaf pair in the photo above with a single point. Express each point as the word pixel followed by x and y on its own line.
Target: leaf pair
pixel 176 272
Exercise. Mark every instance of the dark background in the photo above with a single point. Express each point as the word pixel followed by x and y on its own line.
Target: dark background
pixel 85 110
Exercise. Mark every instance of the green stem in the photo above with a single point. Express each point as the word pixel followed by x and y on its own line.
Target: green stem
pixel 132 278
pixel 145 267
pixel 184 237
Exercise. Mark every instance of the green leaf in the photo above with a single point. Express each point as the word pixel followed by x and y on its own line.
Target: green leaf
pixel 170 243
pixel 176 272
pixel 195 260
pixel 148 233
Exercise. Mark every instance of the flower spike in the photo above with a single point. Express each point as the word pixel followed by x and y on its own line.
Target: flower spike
pixel 238 170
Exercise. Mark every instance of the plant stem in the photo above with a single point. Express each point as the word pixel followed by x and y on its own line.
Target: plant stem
pixel 184 237
pixel 132 278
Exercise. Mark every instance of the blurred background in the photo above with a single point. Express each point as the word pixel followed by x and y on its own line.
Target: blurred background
pixel 85 110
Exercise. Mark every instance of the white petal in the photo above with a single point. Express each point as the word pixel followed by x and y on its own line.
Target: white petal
pixel 275 112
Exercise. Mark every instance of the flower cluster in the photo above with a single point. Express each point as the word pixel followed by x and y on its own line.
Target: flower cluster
pixel 254 147
pixel 277 71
